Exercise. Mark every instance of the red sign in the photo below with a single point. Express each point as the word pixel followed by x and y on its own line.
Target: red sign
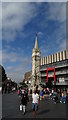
pixel 53 75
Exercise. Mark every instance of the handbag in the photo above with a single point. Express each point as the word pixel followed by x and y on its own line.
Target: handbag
pixel 21 107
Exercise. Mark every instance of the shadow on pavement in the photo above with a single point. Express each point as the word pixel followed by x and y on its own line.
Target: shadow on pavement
pixel 29 111
pixel 44 111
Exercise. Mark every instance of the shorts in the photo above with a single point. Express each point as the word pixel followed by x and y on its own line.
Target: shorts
pixel 34 106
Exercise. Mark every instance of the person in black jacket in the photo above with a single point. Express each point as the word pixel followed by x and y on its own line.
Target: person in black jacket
pixel 24 102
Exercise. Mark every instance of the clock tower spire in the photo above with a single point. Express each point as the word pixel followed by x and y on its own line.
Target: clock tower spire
pixel 36 44
pixel 35 65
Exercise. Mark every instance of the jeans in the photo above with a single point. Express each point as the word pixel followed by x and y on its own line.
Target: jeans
pixel 63 99
pixel 34 106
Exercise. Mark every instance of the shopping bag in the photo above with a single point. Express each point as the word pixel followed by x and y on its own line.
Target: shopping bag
pixel 21 107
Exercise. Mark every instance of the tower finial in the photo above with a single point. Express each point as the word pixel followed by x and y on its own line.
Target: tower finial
pixel 36 44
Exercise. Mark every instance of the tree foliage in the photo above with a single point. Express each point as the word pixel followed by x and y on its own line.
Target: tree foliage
pixel 3 76
pixel 23 84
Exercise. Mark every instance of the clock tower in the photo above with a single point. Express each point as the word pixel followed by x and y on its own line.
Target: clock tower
pixel 36 77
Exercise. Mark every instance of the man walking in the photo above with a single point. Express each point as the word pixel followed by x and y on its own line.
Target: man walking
pixel 35 101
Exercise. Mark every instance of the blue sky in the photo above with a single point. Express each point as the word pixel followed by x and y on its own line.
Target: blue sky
pixel 20 23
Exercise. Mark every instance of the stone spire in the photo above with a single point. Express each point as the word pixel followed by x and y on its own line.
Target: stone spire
pixel 36 44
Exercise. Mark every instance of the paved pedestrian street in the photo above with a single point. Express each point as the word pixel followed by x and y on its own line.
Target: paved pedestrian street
pixel 47 108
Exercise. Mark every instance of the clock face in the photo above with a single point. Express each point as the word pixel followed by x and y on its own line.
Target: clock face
pixel 33 54
pixel 38 53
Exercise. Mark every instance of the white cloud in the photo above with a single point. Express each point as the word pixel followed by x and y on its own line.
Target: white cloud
pixel 9 67
pixel 43 50
pixel 17 65
pixel 15 17
pixel 57 12
pixel 40 33
pixel 17 72
pixel 10 57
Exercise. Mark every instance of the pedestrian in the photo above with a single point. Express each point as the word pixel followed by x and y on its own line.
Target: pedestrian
pixel 63 97
pixel 35 101
pixel 54 96
pixel 41 95
pixel 27 97
pixel 20 103
pixel 24 102
pixel 37 94
pixel 18 91
pixel 52 91
pixel 8 87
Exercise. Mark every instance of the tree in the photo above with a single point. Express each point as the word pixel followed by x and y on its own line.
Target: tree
pixel 3 75
pixel 23 84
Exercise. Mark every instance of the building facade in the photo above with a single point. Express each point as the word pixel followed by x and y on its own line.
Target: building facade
pixel 27 77
pixel 55 65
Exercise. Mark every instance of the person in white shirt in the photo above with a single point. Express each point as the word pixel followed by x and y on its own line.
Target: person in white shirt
pixel 35 100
